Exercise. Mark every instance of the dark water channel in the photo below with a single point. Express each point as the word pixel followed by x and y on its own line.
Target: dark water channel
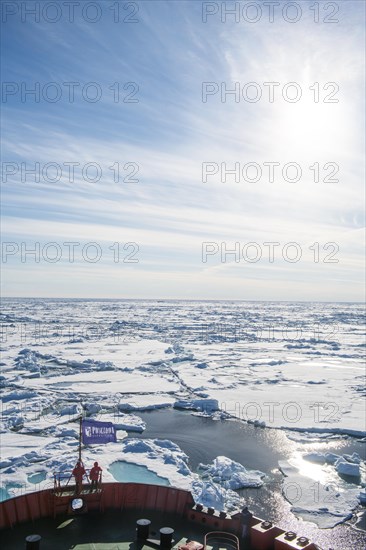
pixel 203 439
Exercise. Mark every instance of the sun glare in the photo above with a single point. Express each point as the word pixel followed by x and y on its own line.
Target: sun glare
pixel 307 127
pixel 314 471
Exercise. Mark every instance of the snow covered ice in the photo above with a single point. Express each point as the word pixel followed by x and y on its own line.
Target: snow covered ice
pixel 231 474
pixel 288 366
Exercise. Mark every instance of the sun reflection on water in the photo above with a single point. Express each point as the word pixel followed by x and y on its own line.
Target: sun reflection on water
pixel 322 473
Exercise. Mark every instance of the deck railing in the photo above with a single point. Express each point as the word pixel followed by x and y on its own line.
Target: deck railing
pixel 221 539
pixel 64 481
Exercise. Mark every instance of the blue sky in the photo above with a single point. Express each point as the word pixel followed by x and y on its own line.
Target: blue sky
pixel 168 134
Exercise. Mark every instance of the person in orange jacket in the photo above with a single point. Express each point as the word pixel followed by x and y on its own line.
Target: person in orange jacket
pixel 94 476
pixel 78 473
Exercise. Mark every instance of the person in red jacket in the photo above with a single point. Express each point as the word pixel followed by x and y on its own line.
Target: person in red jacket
pixel 78 473
pixel 94 476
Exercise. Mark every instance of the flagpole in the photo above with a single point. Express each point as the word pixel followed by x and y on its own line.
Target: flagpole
pixel 80 436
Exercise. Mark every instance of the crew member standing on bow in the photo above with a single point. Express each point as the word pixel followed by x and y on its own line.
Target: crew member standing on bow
pixel 94 476
pixel 78 473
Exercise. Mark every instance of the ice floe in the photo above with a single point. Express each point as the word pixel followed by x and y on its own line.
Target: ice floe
pixel 231 474
pixel 321 492
pixel 204 405
pixel 347 468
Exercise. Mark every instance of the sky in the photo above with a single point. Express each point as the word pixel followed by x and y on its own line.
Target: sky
pixel 116 169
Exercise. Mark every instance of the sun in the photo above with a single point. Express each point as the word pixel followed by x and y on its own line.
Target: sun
pixel 311 129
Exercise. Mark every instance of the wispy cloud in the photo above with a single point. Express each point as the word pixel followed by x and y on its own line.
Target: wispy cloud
pixel 169 134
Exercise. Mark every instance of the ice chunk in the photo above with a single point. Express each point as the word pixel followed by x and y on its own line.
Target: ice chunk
pixel 347 468
pixel 16 422
pixel 319 458
pixel 127 422
pixel 207 405
pixel 215 496
pixel 70 410
pixel 354 458
pixel 183 358
pixel 63 431
pixel 136 446
pixel 331 458
pixel 18 395
pixel 231 474
pixel 92 408
pixel 259 423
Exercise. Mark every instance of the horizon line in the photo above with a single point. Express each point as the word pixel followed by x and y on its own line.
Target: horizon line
pixel 100 298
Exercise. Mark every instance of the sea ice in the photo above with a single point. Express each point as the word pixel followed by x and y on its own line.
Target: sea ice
pixel 325 504
pixel 315 457
pixel 331 458
pixel 215 496
pixel 347 468
pixel 354 458
pixel 231 474
pixel 127 422
pixel 296 367
pixel 204 405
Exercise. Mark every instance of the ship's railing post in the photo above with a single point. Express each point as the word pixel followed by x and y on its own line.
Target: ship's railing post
pixel 61 481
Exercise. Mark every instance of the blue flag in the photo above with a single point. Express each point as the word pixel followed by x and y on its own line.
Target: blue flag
pixel 94 432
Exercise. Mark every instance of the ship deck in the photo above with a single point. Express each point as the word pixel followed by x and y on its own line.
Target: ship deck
pixel 95 530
